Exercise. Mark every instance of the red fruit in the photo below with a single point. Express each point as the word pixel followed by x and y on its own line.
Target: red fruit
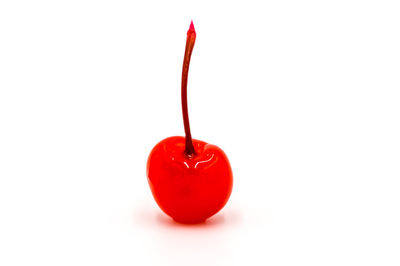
pixel 190 179
pixel 189 189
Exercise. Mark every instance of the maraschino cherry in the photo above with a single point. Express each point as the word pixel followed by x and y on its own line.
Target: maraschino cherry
pixel 191 180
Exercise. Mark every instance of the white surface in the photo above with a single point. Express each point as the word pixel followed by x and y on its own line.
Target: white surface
pixel 303 96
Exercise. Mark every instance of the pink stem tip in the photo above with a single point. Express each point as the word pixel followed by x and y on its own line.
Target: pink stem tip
pixel 191 28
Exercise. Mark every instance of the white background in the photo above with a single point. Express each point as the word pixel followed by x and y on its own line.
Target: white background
pixel 303 96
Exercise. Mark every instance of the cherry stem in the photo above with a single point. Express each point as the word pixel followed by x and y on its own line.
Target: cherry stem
pixel 191 38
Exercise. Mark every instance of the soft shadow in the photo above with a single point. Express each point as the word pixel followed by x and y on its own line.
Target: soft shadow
pixel 184 243
pixel 149 216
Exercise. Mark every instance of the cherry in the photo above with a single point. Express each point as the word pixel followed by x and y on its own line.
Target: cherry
pixel 190 180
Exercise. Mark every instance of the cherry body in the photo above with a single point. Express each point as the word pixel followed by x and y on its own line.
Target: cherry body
pixel 189 189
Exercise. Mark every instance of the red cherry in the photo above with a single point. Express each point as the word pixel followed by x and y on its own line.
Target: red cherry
pixel 191 180
pixel 189 189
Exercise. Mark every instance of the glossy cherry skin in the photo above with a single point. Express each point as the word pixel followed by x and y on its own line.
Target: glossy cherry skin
pixel 189 189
